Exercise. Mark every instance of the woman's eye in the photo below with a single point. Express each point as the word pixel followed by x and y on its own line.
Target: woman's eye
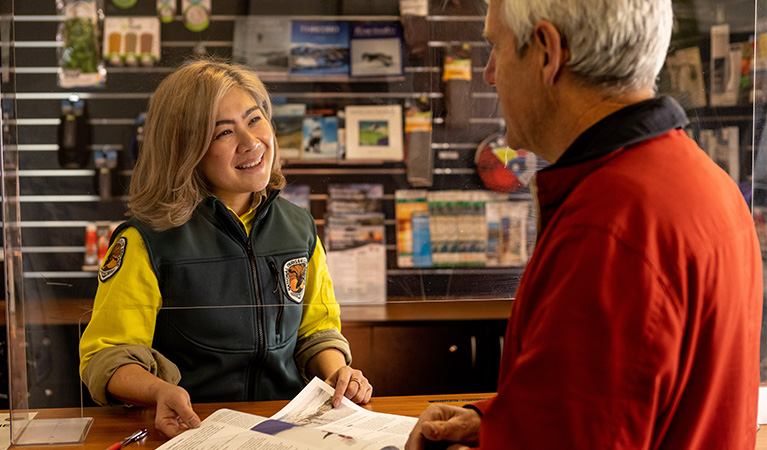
pixel 221 134
pixel 255 119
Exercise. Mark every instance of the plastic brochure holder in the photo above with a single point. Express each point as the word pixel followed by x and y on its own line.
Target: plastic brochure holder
pixel 27 428
pixel 27 425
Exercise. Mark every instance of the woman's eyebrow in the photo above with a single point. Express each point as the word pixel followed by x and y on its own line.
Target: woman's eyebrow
pixel 244 115
pixel 250 110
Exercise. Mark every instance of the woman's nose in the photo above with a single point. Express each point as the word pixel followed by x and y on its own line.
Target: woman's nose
pixel 248 141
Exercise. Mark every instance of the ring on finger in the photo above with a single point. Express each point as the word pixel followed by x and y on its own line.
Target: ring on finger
pixel 357 380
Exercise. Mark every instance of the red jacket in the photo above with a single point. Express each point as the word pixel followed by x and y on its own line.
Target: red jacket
pixel 636 323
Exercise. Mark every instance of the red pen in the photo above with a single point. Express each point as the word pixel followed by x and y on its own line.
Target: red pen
pixel 132 438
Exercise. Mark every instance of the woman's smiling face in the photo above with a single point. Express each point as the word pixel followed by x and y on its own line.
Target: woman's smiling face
pixel 239 159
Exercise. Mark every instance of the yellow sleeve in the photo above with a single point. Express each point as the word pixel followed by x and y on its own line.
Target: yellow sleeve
pixel 126 304
pixel 321 311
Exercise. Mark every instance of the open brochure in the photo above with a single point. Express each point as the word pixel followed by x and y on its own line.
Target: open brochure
pixel 308 422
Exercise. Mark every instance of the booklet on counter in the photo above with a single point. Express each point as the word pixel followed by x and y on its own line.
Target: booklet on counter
pixel 308 422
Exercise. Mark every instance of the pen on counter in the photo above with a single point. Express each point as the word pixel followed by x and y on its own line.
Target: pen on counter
pixel 132 438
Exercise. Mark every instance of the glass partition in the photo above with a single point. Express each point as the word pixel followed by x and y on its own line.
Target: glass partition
pixel 396 149
pixel 759 199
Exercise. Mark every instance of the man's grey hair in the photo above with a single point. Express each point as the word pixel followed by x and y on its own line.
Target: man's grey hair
pixel 615 44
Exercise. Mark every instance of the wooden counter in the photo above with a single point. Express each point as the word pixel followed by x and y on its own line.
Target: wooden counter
pixel 111 424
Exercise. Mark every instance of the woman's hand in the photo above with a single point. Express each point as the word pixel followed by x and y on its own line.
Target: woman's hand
pixel 133 385
pixel 174 413
pixel 350 383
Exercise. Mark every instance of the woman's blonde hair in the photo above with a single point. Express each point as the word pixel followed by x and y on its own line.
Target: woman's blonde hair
pixel 165 187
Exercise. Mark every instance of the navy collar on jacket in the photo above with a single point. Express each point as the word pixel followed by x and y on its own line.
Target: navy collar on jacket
pixel 629 125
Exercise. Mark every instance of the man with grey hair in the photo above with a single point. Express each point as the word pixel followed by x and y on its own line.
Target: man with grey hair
pixel 636 323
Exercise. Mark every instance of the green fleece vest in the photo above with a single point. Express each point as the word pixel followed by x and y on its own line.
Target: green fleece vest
pixel 231 304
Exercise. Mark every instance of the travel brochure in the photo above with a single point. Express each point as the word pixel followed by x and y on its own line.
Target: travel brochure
pixel 460 228
pixel 277 44
pixel 320 137
pixel 262 42
pixel 288 122
pixel 319 48
pixel 364 133
pixel 376 49
pixel 308 422
pixel 355 242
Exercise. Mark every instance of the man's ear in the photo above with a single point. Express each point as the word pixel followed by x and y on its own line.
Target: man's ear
pixel 547 38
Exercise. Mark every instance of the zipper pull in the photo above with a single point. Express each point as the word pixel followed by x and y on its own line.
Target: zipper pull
pixel 275 276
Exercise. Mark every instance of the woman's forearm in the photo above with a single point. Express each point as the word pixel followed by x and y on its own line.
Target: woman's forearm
pixel 134 385
pixel 325 363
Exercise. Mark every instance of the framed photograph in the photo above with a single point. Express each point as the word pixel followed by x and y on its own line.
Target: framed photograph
pixel 374 132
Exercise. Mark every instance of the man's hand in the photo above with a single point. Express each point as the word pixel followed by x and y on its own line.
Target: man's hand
pixel 448 424
pixel 174 412
pixel 350 383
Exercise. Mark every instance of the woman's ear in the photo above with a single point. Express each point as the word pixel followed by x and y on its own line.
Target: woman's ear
pixel 554 56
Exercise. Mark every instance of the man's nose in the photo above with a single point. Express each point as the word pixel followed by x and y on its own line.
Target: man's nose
pixel 489 74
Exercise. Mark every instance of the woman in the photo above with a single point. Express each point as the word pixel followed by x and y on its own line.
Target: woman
pixel 215 289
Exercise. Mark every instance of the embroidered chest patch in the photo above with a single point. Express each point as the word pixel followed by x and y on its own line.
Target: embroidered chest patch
pixel 294 274
pixel 113 261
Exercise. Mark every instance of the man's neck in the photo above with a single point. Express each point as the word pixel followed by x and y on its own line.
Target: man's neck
pixel 578 109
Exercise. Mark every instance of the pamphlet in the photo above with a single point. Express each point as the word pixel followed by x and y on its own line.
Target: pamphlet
pixel 298 194
pixel 686 72
pixel 355 242
pixel 320 139
pixel 262 42
pixel 289 128
pixel 319 48
pixel 376 49
pixel 723 146
pixel 408 202
pixel 308 422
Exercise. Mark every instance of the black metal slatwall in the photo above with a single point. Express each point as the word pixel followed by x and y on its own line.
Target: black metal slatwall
pixel 57 203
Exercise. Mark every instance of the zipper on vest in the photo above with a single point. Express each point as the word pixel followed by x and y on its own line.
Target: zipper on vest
pixel 260 356
pixel 276 291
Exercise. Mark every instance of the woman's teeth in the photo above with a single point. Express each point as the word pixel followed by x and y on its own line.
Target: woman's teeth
pixel 251 165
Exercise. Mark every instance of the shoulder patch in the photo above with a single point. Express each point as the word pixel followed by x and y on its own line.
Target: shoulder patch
pixel 113 261
pixel 294 274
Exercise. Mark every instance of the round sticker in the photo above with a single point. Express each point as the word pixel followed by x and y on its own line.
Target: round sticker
pixel 501 168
